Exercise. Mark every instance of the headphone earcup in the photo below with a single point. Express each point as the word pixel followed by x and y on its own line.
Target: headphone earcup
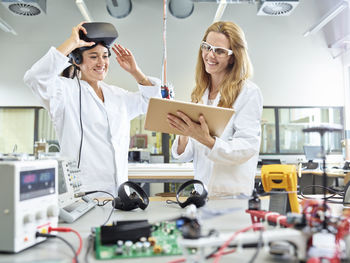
pixel 117 203
pixel 76 57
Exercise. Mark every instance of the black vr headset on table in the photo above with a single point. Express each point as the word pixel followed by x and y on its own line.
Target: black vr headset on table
pixel 134 197
pixel 98 32
pixel 196 198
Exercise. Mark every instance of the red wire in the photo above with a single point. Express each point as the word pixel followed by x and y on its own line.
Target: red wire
pixel 178 260
pixel 183 259
pixel 67 229
pixel 221 251
pixel 219 254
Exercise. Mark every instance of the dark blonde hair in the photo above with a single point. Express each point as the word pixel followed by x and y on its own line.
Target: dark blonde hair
pixel 237 72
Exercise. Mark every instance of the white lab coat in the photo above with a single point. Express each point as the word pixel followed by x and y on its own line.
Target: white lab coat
pixel 229 167
pixel 104 154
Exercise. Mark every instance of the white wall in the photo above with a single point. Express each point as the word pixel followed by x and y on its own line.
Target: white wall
pixel 289 68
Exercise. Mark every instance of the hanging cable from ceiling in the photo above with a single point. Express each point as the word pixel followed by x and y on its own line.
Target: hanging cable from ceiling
pixel 166 92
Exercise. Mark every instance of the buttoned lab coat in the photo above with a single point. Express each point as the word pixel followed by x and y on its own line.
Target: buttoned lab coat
pixel 229 167
pixel 104 154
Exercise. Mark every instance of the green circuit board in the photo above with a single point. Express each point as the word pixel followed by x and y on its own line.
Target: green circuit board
pixel 165 235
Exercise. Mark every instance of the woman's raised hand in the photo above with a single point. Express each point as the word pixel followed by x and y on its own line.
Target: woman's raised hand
pixel 125 59
pixel 74 41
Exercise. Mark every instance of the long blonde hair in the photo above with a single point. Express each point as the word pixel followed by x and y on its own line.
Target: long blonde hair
pixel 236 74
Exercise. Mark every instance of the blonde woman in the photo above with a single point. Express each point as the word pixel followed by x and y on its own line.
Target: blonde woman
pixel 226 164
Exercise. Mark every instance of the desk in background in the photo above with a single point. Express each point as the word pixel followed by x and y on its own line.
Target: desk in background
pixel 308 177
pixel 181 172
pixel 160 172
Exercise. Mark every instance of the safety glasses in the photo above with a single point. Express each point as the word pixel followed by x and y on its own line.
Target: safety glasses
pixel 218 51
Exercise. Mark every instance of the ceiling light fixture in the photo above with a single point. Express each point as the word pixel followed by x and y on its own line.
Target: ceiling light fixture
pixel 25 8
pixel 326 18
pixel 6 27
pixel 181 8
pixel 220 11
pixel 119 8
pixel 83 10
pixel 276 7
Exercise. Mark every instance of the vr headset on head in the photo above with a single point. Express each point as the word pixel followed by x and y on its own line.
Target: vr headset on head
pixel 98 32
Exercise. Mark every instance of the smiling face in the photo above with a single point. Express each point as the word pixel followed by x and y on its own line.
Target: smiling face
pixel 214 65
pixel 95 64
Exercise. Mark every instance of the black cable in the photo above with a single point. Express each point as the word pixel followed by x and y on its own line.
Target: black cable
pixel 332 191
pixel 91 240
pixel 212 253
pixel 258 247
pixel 105 192
pixel 171 202
pixel 81 125
pixel 100 191
pixel 37 234
pixel 109 217
pixel 104 202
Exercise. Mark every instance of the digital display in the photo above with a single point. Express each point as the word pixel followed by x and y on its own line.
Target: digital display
pixel 29 178
pixel 37 183
pixel 45 177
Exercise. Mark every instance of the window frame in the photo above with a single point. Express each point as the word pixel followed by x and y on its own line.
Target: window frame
pixel 277 124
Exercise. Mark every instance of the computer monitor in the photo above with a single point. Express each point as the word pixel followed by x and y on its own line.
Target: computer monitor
pixel 270 161
pixel 313 152
pixel 313 155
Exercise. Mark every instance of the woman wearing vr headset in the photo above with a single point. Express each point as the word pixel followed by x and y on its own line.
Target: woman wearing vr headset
pixel 227 164
pixel 92 118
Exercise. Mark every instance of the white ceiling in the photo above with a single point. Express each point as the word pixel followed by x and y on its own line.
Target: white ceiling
pixel 141 31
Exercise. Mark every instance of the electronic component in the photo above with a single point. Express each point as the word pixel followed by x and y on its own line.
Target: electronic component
pixel 71 208
pixel 28 191
pixel 160 243
pixel 125 230
pixel 254 202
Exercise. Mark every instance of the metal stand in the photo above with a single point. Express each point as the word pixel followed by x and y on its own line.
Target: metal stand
pixel 322 130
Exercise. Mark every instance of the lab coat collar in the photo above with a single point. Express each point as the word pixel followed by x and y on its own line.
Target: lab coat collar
pixel 206 95
pixel 85 84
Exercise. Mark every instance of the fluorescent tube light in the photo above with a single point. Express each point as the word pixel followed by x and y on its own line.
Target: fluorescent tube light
pixel 6 27
pixel 83 10
pixel 326 18
pixel 220 11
